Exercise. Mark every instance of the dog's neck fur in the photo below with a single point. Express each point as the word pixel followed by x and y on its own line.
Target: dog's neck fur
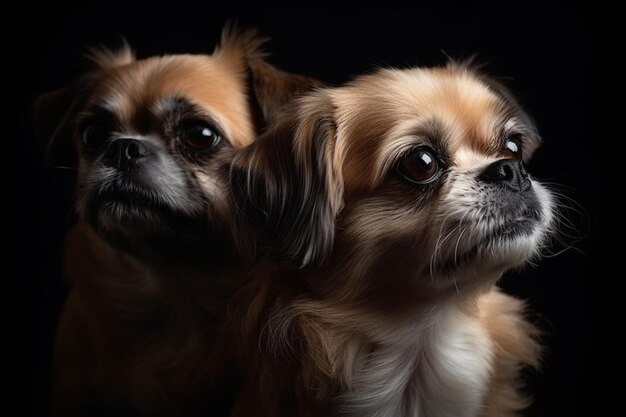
pixel 436 364
pixel 148 318
pixel 95 266
pixel 433 359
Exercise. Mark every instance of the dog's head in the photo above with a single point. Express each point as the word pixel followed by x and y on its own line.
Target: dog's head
pixel 416 173
pixel 152 134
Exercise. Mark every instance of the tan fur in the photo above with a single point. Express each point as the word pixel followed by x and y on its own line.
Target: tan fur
pixel 515 344
pixel 107 59
pixel 214 82
pixel 374 330
pixel 468 113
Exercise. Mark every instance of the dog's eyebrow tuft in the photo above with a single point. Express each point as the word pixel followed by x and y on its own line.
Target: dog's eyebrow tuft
pixel 178 108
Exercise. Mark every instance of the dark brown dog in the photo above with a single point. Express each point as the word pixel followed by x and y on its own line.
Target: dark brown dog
pixel 150 263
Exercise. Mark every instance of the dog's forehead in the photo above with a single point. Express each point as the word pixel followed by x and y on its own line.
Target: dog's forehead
pixel 383 111
pixel 215 85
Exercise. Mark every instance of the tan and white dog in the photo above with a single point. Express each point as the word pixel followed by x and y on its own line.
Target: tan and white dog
pixel 397 201
pixel 150 263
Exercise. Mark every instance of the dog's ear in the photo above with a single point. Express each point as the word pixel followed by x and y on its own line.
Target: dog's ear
pixel 287 186
pixel 272 88
pixel 51 121
pixel 269 88
pixel 52 114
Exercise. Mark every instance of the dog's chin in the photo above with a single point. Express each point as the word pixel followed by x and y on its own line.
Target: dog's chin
pixel 490 252
pixel 141 223
pixel 136 210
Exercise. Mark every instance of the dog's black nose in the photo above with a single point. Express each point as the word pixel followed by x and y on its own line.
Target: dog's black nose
pixel 125 153
pixel 507 172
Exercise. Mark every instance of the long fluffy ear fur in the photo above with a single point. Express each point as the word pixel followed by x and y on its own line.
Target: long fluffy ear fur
pixel 287 186
pixel 53 113
pixel 269 87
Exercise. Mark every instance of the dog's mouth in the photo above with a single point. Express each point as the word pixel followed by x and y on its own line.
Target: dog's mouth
pixel 130 197
pixel 123 199
pixel 510 230
pixel 479 243
pixel 137 218
pixel 150 214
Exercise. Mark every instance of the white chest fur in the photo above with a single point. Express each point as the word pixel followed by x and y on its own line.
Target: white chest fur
pixel 436 368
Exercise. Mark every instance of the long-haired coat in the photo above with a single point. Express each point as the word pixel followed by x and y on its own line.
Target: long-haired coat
pixel 396 202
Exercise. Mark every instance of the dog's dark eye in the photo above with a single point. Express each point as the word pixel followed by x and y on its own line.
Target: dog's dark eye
pixel 199 135
pixel 419 166
pixel 94 135
pixel 513 148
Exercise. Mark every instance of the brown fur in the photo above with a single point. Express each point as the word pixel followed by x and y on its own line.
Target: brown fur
pixel 137 335
pixel 516 345
pixel 320 193
pixel 143 342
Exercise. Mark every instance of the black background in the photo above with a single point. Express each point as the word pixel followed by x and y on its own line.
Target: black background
pixel 541 51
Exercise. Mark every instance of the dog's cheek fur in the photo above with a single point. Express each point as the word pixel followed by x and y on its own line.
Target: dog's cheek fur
pixel 383 233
